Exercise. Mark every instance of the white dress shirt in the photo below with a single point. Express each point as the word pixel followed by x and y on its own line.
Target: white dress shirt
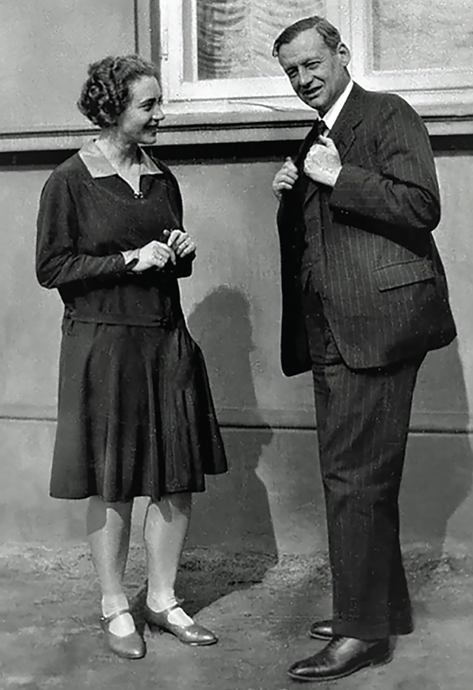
pixel 331 115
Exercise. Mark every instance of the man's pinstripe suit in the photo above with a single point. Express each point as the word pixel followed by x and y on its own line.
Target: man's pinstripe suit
pixel 364 299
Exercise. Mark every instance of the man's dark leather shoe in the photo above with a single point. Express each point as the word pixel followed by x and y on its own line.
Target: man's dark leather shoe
pixel 341 657
pixel 321 630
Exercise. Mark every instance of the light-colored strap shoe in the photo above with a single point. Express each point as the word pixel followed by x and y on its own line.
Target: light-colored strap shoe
pixel 130 646
pixel 193 634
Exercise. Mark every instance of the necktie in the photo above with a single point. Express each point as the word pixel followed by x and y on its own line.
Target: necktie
pixel 321 128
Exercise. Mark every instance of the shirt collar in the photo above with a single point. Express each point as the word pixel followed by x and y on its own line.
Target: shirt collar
pixel 99 166
pixel 331 115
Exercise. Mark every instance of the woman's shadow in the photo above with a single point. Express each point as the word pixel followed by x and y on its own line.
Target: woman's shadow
pixel 231 542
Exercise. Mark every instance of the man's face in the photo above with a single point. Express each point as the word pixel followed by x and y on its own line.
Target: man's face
pixel 316 73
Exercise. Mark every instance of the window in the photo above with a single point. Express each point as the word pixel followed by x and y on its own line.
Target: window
pixel 422 50
pixel 220 81
pixel 221 49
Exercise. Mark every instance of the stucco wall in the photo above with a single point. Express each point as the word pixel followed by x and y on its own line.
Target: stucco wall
pixel 271 499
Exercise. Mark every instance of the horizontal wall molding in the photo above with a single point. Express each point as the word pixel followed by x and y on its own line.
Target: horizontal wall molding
pixel 304 419
pixel 209 154
pixel 33 413
pixel 214 128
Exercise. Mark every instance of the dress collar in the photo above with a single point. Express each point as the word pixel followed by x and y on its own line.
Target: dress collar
pixel 99 166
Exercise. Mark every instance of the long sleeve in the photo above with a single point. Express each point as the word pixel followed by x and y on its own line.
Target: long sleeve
pixel 57 259
pixel 403 191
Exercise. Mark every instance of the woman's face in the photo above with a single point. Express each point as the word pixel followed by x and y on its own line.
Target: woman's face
pixel 139 122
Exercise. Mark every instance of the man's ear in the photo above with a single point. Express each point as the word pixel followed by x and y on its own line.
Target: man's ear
pixel 344 54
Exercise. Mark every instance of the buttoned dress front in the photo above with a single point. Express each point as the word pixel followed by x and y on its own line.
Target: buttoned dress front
pixel 135 411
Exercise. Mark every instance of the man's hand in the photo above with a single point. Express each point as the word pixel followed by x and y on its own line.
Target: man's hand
pixel 322 163
pixel 285 178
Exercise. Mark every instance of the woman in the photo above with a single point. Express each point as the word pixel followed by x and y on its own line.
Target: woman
pixel 135 413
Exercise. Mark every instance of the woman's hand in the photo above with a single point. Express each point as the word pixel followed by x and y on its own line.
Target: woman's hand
pixel 153 254
pixel 180 242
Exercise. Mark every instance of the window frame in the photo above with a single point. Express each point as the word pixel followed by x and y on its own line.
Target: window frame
pixel 435 93
pixel 257 112
pixel 177 89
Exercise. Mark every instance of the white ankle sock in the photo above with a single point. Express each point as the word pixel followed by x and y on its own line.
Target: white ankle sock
pixel 123 625
pixel 177 616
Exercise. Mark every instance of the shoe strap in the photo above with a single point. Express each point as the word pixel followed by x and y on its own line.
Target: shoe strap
pixel 109 619
pixel 167 611
pixel 175 606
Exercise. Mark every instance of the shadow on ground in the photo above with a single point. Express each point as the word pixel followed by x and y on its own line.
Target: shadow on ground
pixel 50 637
pixel 207 575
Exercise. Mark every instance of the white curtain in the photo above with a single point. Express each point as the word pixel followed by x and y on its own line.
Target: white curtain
pixel 235 37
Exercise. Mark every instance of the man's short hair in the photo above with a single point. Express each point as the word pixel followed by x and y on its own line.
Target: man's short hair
pixel 329 33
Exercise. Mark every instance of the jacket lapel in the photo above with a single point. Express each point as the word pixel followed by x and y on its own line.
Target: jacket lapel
pixel 304 188
pixel 306 144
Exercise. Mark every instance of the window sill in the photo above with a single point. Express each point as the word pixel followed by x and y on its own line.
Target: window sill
pixel 222 122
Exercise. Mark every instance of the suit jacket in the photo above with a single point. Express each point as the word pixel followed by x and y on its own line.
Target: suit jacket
pixel 381 280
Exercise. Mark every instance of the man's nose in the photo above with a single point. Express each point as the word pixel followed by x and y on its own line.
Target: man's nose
pixel 305 76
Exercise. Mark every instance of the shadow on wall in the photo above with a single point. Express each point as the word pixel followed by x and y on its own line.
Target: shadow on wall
pixel 438 473
pixel 234 512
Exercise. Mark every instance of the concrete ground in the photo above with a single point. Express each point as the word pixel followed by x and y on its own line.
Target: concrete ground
pixel 50 637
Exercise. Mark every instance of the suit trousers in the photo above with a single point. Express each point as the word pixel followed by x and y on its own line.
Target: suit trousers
pixel 362 426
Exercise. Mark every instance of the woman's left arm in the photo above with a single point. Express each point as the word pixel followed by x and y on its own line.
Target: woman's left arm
pixel 180 241
pixel 184 249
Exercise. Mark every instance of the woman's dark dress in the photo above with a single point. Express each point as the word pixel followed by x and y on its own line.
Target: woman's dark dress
pixel 135 413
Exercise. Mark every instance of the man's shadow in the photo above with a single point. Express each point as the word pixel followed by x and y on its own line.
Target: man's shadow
pixel 231 540
pixel 439 466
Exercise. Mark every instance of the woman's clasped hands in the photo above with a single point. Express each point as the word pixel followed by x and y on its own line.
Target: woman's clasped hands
pixel 179 244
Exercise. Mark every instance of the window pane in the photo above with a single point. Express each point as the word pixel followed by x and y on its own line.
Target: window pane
pixel 425 34
pixel 233 38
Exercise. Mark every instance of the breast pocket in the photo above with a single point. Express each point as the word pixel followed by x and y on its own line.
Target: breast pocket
pixel 398 275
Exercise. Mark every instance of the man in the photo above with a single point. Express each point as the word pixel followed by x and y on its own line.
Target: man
pixel 364 299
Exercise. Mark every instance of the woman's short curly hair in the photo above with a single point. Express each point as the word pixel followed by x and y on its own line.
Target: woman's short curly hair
pixel 106 92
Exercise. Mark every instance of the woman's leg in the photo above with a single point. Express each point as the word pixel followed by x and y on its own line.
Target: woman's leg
pixel 165 529
pixel 108 529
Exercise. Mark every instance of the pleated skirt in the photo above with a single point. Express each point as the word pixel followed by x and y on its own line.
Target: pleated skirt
pixel 135 414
